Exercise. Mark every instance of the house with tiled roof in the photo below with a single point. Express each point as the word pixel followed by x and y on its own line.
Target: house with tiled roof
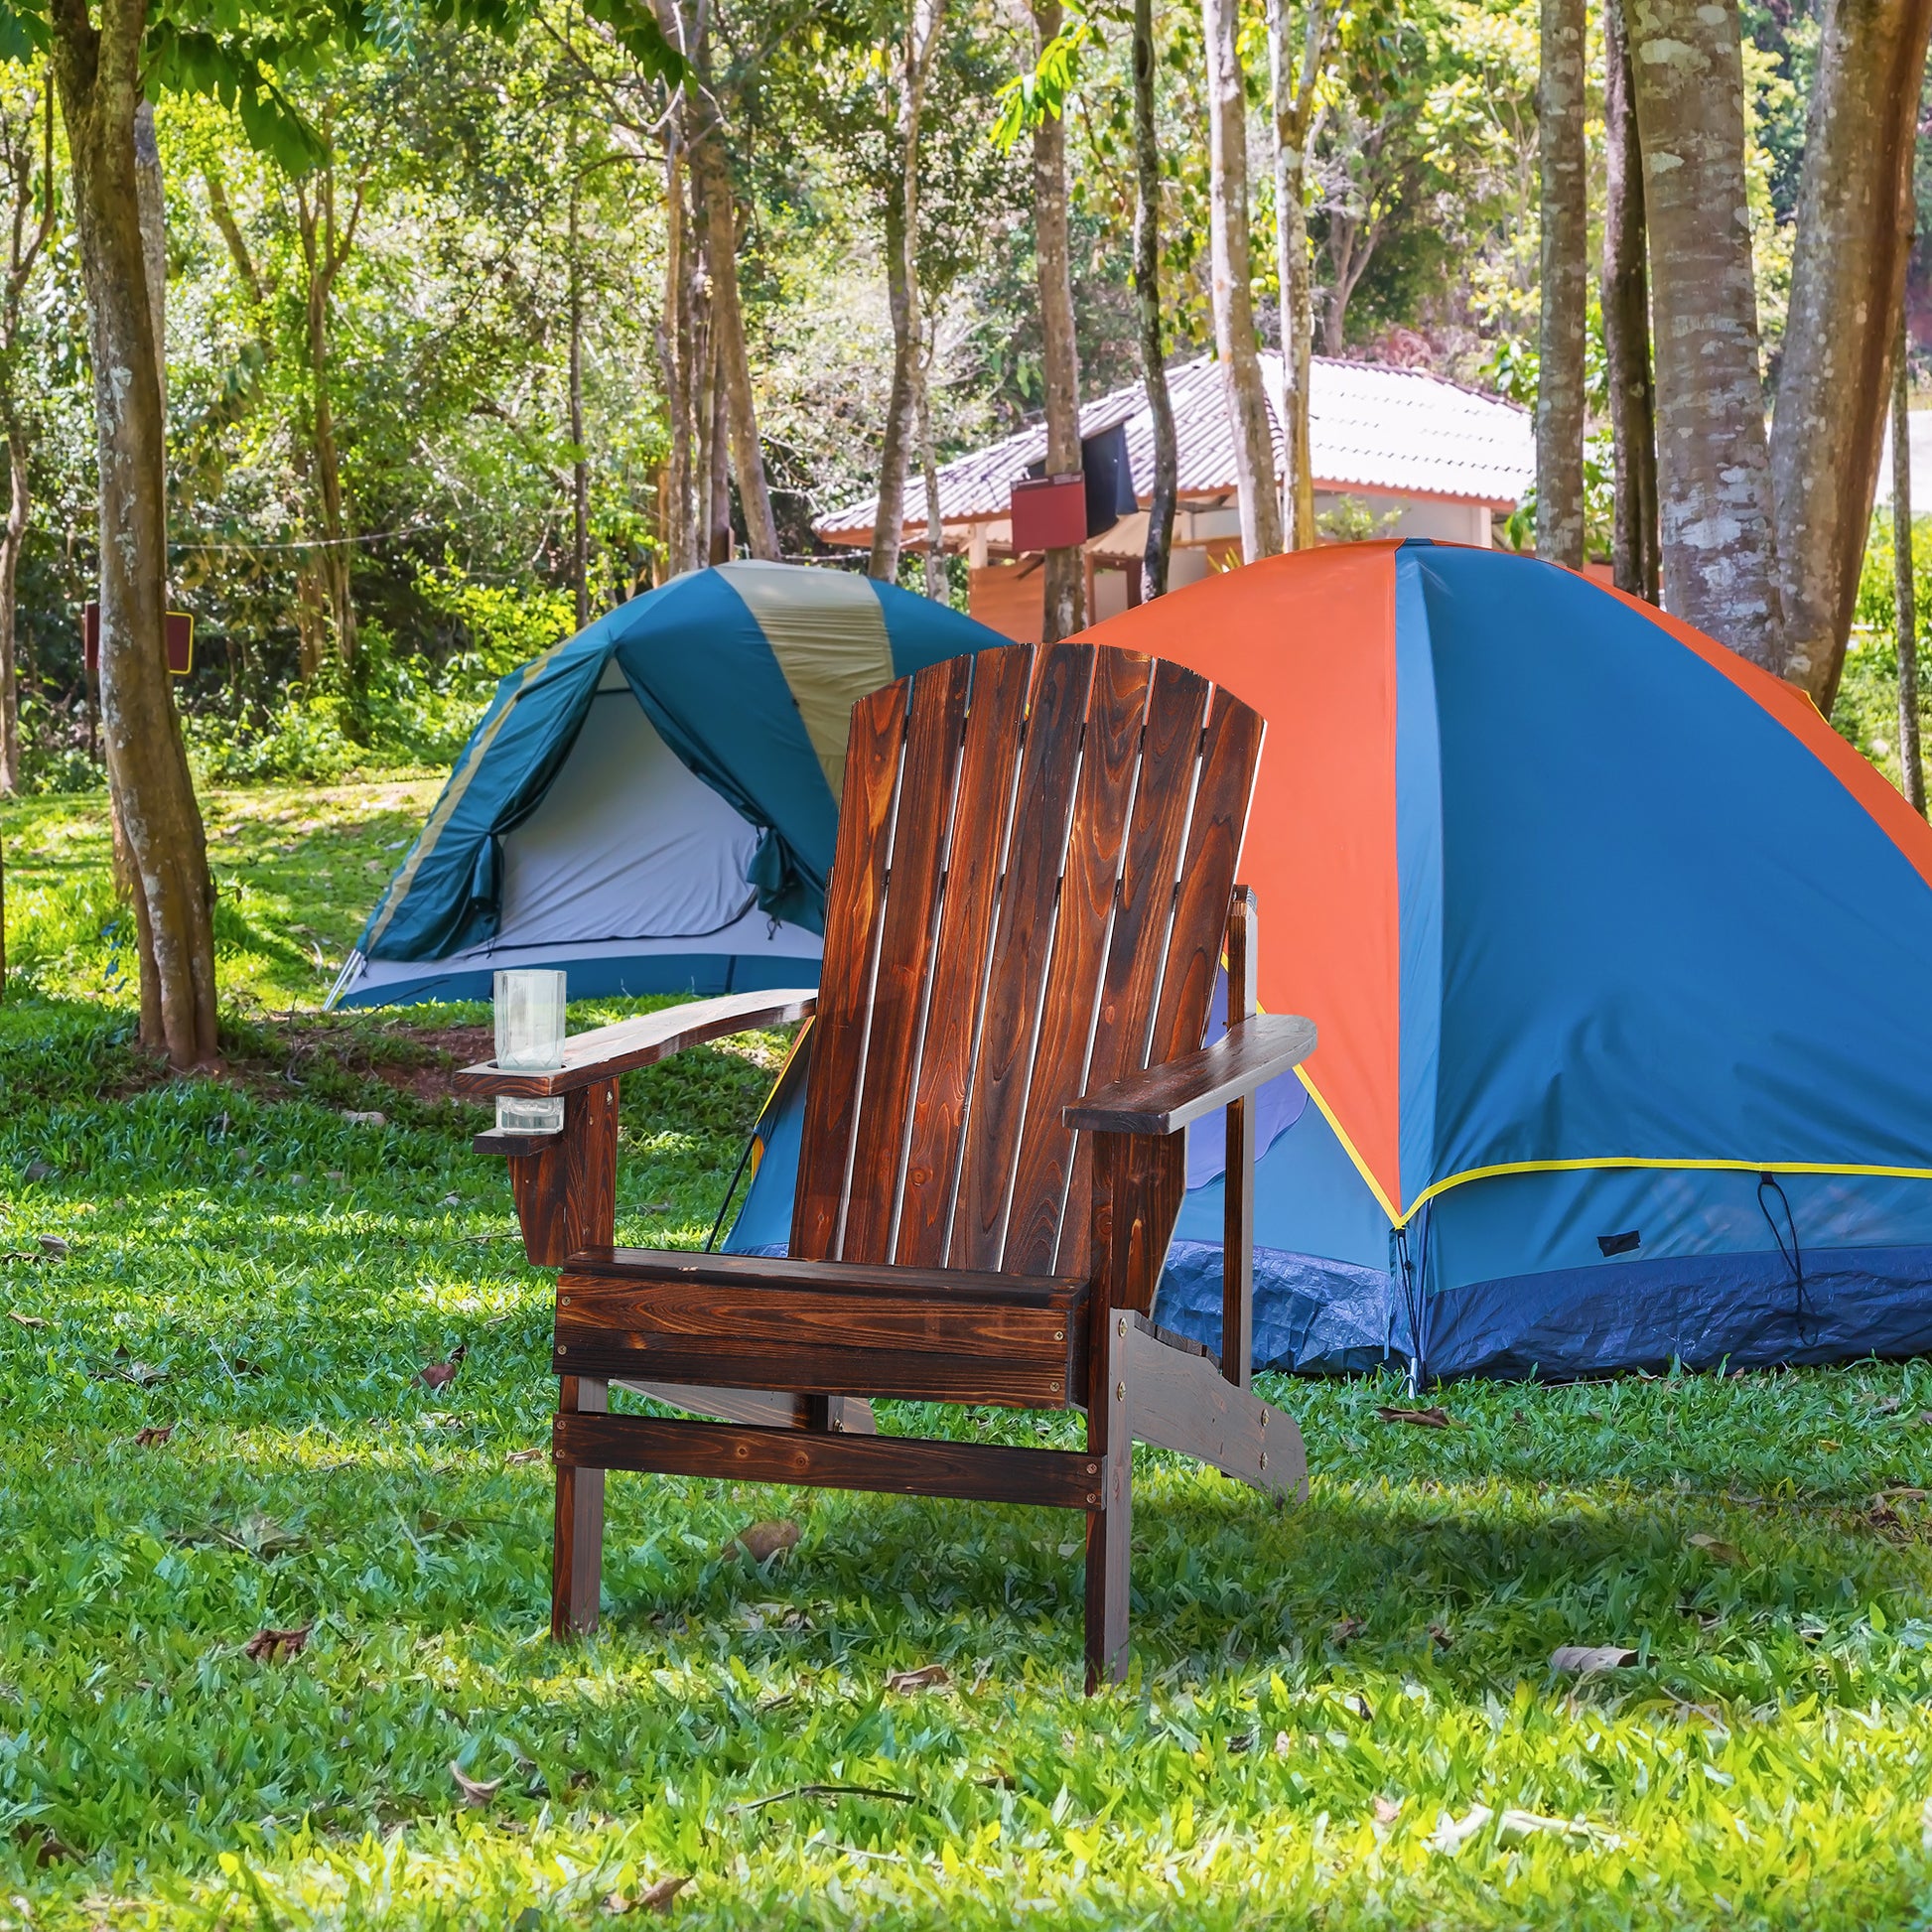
pixel 1396 452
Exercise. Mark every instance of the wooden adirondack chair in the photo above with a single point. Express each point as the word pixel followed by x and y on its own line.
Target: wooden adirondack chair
pixel 1032 887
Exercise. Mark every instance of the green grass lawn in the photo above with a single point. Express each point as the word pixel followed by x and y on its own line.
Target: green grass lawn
pixel 1339 1714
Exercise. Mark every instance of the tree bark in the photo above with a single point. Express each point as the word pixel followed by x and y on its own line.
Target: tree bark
pixel 326 249
pixel 1718 541
pixel 888 522
pixel 29 239
pixel 98 74
pixel 1625 298
pixel 676 354
pixel 1905 590
pixel 717 493
pixel 711 176
pixel 1848 279
pixel 936 585
pixel 1232 266
pixel 1064 590
pixel 1563 285
pixel 1147 302
pixel 580 468
pixel 1293 120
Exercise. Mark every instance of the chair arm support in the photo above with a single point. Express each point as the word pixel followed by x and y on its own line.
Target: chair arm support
pixel 1166 1098
pixel 606 1051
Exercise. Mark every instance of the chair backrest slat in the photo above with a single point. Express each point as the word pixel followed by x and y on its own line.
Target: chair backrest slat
pixel 1035 856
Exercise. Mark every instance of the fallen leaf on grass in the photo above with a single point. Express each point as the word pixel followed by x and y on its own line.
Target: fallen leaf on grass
pixel 1825 1443
pixel 1433 1417
pixel 262 1536
pixel 1283 1743
pixel 1387 1810
pixel 149 1438
pixel 439 1375
pixel 375 1117
pixel 277 1646
pixel 764 1541
pixel 823 1791
pixel 1440 1635
pixel 928 1677
pixel 1924 1416
pixel 27 1321
pixel 1585 1659
pixel 653 1899
pixel 54 1247
pixel 43 1847
pixel 1346 1629
pixel 476 1792
pixel 37 1170
pixel 526 1455
pixel 144 1375
pixel 1452 1833
pixel 1716 1549
pixel 1515 1823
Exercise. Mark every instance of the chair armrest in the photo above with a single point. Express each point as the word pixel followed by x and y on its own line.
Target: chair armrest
pixel 606 1051
pixel 1166 1098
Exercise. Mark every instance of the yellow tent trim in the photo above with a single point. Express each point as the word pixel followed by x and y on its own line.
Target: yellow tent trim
pixel 1348 1146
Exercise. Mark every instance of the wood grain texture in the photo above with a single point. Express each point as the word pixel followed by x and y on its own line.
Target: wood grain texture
pixel 920 823
pixel 1022 948
pixel 577 1545
pixel 511 1142
pixel 1238 1169
pixel 764 1408
pixel 853 897
pixel 894 1464
pixel 1231 754
pixel 590 1140
pixel 538 1184
pixel 1178 1400
pixel 1110 1525
pixel 1138 1184
pixel 807 1337
pixel 606 1051
pixel 1116 718
pixel 981 822
pixel 1176 712
pixel 1166 1098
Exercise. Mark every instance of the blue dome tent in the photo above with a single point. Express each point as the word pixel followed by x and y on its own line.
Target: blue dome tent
pixel 650 806
pixel 1620 956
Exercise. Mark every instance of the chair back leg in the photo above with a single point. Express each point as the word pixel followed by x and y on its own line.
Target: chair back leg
pixel 1110 1525
pixel 577 1547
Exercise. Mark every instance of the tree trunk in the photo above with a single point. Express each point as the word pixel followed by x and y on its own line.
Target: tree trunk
pixel 888 521
pixel 1625 298
pixel 1351 247
pixel 1293 116
pixel 325 249
pixel 1233 279
pixel 717 493
pixel 936 585
pixel 99 73
pixel 580 468
pixel 1718 541
pixel 1905 590
pixel 1848 278
pixel 1563 283
pixel 1065 589
pixel 675 353
pixel 11 539
pixel 711 176
pixel 1147 301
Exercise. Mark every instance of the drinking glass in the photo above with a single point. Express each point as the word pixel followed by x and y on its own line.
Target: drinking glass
pixel 530 1039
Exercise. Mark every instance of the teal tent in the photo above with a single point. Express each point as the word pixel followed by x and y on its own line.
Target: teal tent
pixel 651 805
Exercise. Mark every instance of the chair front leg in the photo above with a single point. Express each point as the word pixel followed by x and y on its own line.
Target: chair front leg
pixel 577 1546
pixel 1110 1521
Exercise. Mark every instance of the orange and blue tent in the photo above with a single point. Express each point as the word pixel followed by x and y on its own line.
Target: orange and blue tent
pixel 1619 958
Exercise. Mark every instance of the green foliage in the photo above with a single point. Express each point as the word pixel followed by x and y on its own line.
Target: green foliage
pixel 1322 1695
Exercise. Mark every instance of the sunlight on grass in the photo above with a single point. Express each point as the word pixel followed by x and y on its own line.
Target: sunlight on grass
pixel 1341 1714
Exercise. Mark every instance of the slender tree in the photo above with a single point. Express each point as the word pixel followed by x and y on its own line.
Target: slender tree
pixel 1065 571
pixel 31 207
pixel 580 466
pixel 1904 590
pixel 1294 108
pixel 1848 279
pixel 1625 299
pixel 1232 279
pixel 1719 538
pixel 1563 285
pixel 907 416
pixel 1146 301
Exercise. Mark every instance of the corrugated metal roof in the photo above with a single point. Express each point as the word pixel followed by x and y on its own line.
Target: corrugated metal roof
pixel 1401 432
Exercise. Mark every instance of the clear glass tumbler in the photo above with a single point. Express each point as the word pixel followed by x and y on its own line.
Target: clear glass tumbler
pixel 530 1039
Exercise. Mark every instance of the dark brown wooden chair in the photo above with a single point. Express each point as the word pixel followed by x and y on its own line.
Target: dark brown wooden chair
pixel 1033 890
